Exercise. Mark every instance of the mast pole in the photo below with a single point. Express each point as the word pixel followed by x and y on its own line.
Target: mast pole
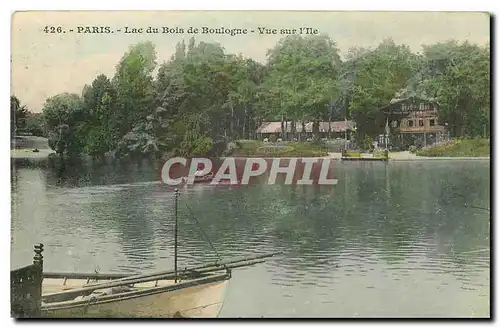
pixel 175 233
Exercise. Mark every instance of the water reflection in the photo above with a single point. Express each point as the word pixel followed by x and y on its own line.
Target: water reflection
pixel 389 239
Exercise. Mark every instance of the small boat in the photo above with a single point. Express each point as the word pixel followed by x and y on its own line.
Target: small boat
pixel 200 177
pixel 146 297
pixel 196 292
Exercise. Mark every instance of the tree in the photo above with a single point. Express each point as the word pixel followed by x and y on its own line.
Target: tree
pixel 18 116
pixel 457 77
pixel 99 102
pixel 35 124
pixel 133 82
pixel 302 78
pixel 64 118
pixel 243 77
pixel 378 75
pixel 203 97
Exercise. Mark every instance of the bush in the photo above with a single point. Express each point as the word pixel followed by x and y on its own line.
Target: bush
pixel 381 153
pixel 202 146
pixel 459 148
pixel 334 145
pixel 284 149
pixel 367 143
pixel 246 147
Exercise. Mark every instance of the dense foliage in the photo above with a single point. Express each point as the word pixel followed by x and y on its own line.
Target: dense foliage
pixel 18 115
pixel 22 121
pixel 203 98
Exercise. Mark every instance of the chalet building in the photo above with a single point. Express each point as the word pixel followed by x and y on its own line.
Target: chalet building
pixel 413 121
pixel 331 130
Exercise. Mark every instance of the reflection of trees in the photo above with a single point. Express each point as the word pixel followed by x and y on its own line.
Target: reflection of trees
pixel 28 210
pixel 384 208
pixel 80 173
pixel 132 212
pixel 421 193
pixel 387 207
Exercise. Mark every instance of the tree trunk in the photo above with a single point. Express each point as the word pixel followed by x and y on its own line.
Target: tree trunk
pixel 285 137
pixel 238 126
pixel 282 126
pixel 244 124
pixel 315 129
pixel 329 126
pixel 231 124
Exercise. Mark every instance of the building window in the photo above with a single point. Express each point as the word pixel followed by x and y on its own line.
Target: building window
pixel 421 122
pixel 432 122
pixel 410 123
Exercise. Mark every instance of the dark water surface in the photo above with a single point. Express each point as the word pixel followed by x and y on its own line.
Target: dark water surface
pixel 389 240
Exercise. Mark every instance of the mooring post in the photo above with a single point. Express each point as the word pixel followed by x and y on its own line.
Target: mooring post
pixel 175 232
pixel 38 277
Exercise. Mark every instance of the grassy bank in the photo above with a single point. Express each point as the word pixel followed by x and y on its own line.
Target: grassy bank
pixel 353 154
pixel 358 154
pixel 255 148
pixel 459 148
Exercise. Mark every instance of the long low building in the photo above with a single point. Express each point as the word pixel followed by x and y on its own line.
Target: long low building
pixel 335 129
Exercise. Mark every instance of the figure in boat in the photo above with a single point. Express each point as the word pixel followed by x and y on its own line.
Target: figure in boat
pixel 200 176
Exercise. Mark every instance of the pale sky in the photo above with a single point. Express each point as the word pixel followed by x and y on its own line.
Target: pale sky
pixel 44 64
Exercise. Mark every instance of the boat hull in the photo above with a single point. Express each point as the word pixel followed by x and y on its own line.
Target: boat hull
pixel 197 301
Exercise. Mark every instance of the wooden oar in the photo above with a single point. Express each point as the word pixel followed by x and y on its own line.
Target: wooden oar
pixel 107 276
pixel 118 282
pixel 216 266
pixel 88 275
pixel 181 274
pixel 69 295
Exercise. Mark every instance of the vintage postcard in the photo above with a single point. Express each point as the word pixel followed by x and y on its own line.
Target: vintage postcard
pixel 250 164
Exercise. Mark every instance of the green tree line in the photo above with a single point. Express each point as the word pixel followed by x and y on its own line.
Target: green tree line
pixel 24 121
pixel 203 97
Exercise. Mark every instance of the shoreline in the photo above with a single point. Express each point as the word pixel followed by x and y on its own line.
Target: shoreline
pixel 406 156
pixel 28 153
pixel 439 159
pixel 395 156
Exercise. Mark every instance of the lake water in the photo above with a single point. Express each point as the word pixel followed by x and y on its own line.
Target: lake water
pixel 390 240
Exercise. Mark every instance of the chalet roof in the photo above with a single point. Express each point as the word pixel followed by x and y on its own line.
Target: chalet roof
pixel 275 127
pixel 400 100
